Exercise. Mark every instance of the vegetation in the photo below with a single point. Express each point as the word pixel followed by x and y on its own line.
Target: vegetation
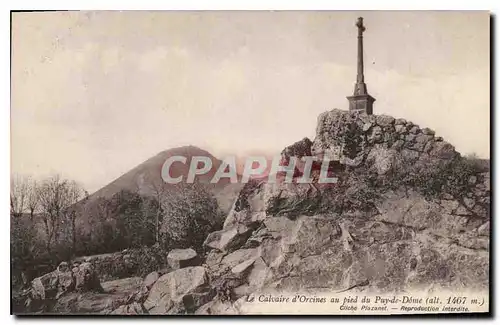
pixel 191 213
pixel 359 188
pixel 55 220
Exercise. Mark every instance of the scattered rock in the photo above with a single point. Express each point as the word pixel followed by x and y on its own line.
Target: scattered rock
pixel 469 203
pixel 150 279
pixel 242 267
pixel 443 150
pixel 385 120
pixel 381 159
pixel 400 128
pixel 484 229
pixel 180 258
pixel 226 239
pixel 175 291
pixel 131 309
pixel 376 135
pixel 367 126
pixel 449 205
pixel 428 131
pixel 398 145
pixel 462 211
pixel 87 279
pixel 217 307
pixel 420 141
pixel 414 129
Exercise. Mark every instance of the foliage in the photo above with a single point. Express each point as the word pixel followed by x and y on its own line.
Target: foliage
pixel 359 188
pixel 356 190
pixel 433 177
pixel 191 213
pixel 135 219
pixel 352 139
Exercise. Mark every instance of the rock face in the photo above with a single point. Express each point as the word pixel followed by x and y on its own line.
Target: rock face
pixel 179 258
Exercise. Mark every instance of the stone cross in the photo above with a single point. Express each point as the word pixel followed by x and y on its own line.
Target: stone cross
pixel 361 29
pixel 360 100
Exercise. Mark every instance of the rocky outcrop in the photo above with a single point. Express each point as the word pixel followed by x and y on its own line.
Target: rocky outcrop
pixel 351 138
pixel 409 233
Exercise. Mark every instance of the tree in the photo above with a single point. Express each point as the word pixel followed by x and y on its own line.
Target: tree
pixel 56 197
pixel 159 190
pixel 18 195
pixel 23 195
pixel 134 217
pixel 191 213
pixel 23 239
pixel 32 197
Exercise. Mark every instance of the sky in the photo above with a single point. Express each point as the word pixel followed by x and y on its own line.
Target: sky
pixel 94 94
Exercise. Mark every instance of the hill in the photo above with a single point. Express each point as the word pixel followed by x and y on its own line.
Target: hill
pixel 145 178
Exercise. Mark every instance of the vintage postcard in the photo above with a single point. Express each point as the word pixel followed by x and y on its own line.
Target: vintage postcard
pixel 250 162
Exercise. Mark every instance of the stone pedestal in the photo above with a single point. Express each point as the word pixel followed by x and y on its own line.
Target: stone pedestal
pixel 362 103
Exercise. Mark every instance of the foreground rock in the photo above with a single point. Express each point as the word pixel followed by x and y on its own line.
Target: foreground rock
pixel 180 291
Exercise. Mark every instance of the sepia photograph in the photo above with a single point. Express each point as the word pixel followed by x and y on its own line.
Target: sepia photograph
pixel 250 163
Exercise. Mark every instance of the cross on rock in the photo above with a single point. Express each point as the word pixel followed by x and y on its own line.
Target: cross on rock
pixel 360 100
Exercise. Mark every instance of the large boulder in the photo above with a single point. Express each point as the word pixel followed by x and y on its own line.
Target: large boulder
pixel 179 258
pixel 180 291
